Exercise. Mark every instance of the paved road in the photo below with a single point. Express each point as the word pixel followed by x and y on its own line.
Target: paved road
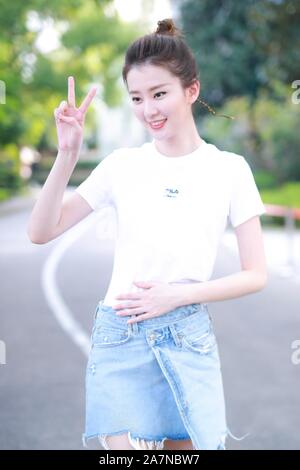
pixel 42 382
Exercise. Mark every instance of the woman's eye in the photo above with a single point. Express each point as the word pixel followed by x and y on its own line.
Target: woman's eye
pixel 158 93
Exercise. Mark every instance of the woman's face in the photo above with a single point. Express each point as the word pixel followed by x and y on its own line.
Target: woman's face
pixel 167 102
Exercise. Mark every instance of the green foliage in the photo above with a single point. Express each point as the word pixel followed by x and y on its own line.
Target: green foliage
pixel 240 47
pixel 246 52
pixel 265 131
pixel 264 180
pixel 92 45
pixel 287 195
pixel 10 180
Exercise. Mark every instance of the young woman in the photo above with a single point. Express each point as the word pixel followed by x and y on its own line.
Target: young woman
pixel 153 377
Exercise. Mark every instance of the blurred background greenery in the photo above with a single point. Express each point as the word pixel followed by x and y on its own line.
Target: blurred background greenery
pixel 248 56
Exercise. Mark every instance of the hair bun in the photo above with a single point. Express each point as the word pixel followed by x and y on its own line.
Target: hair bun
pixel 167 26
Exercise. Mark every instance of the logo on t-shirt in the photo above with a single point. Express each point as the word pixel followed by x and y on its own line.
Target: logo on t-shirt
pixel 171 192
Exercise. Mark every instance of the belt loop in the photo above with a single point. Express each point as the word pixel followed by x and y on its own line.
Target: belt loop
pixel 98 308
pixel 134 326
pixel 96 311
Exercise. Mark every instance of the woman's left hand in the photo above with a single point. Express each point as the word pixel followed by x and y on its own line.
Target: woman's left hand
pixel 155 300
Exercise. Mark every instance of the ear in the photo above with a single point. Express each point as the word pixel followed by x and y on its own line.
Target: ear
pixel 193 91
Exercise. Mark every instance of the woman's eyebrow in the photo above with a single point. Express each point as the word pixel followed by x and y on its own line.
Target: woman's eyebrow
pixel 150 89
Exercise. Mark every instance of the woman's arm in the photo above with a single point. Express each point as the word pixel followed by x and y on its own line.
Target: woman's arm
pixel 252 278
pixel 47 211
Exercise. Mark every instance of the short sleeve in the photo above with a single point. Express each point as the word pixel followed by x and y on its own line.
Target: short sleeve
pixel 96 189
pixel 245 200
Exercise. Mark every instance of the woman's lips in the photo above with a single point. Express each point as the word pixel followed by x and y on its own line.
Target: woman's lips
pixel 158 124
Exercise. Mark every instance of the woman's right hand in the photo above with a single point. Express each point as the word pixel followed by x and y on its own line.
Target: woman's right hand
pixel 70 120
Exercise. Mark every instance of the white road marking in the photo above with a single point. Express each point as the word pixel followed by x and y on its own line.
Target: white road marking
pixel 55 301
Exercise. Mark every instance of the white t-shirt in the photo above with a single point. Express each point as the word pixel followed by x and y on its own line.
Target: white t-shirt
pixel 171 212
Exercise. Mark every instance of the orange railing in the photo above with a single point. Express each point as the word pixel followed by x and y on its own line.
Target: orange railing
pixel 290 214
pixel 282 211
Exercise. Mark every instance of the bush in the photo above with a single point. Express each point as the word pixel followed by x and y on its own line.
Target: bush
pixel 10 179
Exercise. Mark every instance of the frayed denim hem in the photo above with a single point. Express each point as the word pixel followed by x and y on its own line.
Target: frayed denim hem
pixel 151 443
pixel 138 443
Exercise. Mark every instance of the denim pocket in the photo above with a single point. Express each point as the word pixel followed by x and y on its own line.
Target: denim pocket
pixel 103 337
pixel 203 344
pixel 197 334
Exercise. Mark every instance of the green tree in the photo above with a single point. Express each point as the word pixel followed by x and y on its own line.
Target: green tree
pixel 248 56
pixel 92 45
pixel 241 46
pixel 276 125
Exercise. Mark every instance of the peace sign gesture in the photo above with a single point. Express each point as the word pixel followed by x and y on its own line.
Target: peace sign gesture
pixel 70 120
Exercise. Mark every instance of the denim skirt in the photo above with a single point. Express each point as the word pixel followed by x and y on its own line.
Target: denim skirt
pixel 156 379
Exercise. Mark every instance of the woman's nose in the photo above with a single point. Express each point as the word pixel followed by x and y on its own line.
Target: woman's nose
pixel 150 111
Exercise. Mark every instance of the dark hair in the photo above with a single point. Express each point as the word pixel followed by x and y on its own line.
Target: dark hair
pixel 167 48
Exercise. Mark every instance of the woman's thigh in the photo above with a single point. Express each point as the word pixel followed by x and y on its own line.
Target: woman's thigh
pixel 185 444
pixel 121 442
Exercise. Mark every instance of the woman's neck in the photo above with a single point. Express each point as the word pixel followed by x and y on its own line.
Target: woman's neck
pixel 182 143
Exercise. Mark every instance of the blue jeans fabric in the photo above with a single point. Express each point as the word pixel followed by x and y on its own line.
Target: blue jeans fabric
pixel 156 379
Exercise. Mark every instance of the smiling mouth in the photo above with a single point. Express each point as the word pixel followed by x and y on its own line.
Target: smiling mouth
pixel 157 124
